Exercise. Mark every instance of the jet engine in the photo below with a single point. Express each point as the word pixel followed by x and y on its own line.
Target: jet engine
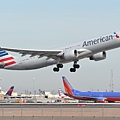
pixel 100 100
pixel 69 55
pixel 98 56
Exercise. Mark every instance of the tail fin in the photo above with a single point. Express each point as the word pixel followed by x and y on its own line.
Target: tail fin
pixel 61 94
pixel 6 59
pixel 116 35
pixel 9 92
pixel 68 88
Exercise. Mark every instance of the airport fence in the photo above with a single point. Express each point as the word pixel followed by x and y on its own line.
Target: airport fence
pixel 81 111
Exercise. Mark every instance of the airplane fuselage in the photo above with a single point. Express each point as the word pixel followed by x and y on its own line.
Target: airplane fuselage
pixel 83 49
pixel 103 96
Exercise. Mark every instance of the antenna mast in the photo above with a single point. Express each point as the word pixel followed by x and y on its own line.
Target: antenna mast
pixel 111 82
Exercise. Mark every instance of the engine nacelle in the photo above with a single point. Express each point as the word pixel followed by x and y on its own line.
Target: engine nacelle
pixel 101 100
pixel 98 56
pixel 69 55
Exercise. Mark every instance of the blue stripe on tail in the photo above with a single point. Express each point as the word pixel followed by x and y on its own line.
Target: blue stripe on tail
pixel 3 54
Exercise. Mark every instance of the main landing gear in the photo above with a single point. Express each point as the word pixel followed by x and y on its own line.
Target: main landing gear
pixel 56 69
pixel 75 66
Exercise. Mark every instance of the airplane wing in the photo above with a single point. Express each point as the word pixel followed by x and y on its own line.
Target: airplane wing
pixel 54 54
pixel 40 53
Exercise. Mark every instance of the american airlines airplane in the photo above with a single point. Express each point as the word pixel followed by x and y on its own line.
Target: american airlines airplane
pixel 90 96
pixel 62 95
pixel 94 49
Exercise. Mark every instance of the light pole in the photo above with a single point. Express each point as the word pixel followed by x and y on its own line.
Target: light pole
pixel 33 86
pixel 0 84
pixel 33 90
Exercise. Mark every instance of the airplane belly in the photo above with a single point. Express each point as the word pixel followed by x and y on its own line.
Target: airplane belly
pixel 37 63
pixel 31 63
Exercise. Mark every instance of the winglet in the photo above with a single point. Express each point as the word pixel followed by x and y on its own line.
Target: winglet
pixel 67 86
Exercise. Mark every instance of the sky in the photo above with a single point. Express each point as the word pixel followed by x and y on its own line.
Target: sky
pixel 46 24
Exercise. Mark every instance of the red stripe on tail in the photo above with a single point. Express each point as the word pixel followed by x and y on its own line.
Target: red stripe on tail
pixel 10 63
pixel 67 86
pixel 5 59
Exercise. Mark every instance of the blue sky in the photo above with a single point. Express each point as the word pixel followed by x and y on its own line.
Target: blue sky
pixel 47 24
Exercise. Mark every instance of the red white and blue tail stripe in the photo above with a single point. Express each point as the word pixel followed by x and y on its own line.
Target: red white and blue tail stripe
pixel 6 58
pixel 116 35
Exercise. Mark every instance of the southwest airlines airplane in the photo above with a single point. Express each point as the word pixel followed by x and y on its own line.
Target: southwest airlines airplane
pixel 93 96
pixel 94 49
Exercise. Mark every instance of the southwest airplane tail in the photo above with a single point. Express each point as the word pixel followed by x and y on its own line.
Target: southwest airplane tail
pixel 67 86
pixel 6 59
pixel 9 92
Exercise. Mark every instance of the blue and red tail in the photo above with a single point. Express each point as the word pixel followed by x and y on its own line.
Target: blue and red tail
pixel 116 35
pixel 6 59
pixel 67 86
pixel 9 92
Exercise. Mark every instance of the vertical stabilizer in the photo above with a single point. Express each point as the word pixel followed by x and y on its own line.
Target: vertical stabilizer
pixel 9 92
pixel 6 59
pixel 68 88
pixel 61 93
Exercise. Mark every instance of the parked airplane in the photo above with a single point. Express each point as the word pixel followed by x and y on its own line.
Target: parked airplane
pixel 94 49
pixel 9 92
pixel 91 96
pixel 62 95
